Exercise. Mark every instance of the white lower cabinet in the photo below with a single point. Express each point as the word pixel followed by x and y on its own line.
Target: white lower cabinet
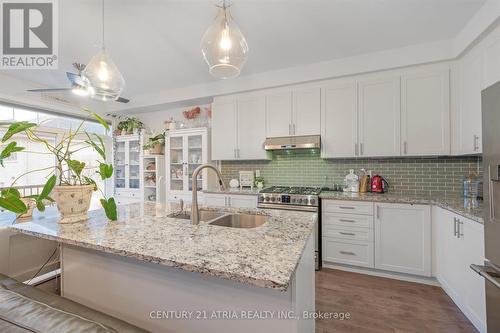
pixel 460 243
pixel 231 200
pixel 403 238
pixel 347 232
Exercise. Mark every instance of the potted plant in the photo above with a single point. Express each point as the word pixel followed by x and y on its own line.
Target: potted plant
pixel 135 125
pixel 154 146
pixel 72 185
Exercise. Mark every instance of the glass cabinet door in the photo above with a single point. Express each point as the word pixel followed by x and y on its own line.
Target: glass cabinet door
pixel 119 166
pixel 195 159
pixel 134 163
pixel 176 161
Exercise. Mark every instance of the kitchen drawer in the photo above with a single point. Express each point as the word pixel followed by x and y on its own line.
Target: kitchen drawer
pixel 344 233
pixel 348 207
pixel 347 220
pixel 356 253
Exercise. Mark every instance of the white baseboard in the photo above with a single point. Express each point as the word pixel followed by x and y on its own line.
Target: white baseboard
pixel 391 275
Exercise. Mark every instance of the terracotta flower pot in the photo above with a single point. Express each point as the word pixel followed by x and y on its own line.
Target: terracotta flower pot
pixel 73 202
pixel 157 149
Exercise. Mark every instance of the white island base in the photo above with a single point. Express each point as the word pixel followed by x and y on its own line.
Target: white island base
pixel 148 295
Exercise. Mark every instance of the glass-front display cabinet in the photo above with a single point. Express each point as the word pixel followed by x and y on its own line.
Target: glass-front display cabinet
pixel 186 150
pixel 128 168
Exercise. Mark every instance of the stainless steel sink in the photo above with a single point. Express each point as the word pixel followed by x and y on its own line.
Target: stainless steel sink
pixel 240 221
pixel 205 215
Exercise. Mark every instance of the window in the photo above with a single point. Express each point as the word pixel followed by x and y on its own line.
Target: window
pixel 35 156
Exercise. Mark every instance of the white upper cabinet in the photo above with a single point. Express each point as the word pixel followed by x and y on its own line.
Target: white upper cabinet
pixel 425 113
pixel 492 63
pixel 238 128
pixel 293 112
pixel 379 117
pixel 279 113
pixel 306 111
pixel 339 120
pixel 224 127
pixel 470 84
pixel 251 128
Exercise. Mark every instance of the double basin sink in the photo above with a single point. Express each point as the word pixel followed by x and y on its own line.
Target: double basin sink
pixel 223 219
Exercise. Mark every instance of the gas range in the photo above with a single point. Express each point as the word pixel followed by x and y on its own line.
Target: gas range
pixel 292 198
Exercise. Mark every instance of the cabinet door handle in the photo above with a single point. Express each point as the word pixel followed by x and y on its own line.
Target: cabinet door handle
pixel 361 149
pixel 347 233
pixel 290 129
pixel 455 231
pixel 355 149
pixel 377 214
pixel 293 129
pixel 238 152
pixel 405 147
pixel 476 142
pixel 348 253
pixel 346 207
pixel 345 220
pixel 460 233
pixel 229 201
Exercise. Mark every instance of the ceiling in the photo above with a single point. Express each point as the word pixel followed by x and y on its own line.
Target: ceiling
pixel 155 43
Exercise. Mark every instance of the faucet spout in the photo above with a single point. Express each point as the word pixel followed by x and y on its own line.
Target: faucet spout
pixel 195 213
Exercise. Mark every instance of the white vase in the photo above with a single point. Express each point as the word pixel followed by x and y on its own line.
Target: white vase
pixel 73 202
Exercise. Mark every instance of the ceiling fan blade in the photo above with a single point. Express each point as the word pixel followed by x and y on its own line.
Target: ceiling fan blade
pixel 75 79
pixel 122 100
pixel 49 90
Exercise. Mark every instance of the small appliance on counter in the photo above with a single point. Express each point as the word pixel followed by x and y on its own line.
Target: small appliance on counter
pixel 364 184
pixel 247 180
pixel 379 184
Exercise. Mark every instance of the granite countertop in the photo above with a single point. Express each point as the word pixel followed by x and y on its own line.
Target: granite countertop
pixel 454 204
pixel 266 256
pixel 254 191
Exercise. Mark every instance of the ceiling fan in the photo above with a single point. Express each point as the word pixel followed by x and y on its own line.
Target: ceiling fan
pixel 78 86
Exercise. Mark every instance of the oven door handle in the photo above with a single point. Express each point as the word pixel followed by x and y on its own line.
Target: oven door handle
pixel 488 274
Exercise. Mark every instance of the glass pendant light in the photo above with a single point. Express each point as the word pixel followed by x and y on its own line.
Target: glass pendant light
pixel 224 47
pixel 104 80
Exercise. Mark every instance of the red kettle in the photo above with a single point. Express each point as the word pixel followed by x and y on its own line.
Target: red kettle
pixel 378 184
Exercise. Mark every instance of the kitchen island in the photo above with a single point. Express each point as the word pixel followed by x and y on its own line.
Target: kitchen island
pixel 166 275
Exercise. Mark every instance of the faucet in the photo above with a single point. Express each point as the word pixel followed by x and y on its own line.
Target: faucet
pixel 195 212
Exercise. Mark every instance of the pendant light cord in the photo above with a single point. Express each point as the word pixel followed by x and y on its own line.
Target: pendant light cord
pixel 102 18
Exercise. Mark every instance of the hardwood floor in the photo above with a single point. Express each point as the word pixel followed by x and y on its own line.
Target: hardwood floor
pixel 381 305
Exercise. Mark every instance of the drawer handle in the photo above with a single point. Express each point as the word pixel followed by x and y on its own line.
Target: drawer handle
pixel 348 253
pixel 347 233
pixel 346 207
pixel 345 220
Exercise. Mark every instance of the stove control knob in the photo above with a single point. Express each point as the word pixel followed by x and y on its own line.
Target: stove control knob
pixel 261 198
pixel 312 201
pixel 266 198
pixel 304 201
pixel 273 199
pixel 293 200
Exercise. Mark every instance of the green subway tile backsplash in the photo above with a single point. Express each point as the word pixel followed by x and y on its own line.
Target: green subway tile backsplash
pixel 436 175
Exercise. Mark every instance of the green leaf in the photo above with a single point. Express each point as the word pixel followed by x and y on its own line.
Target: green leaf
pixel 105 170
pixel 76 166
pixel 98 118
pixel 48 187
pixel 90 181
pixel 8 150
pixel 12 191
pixel 40 205
pixel 99 149
pixel 12 203
pixel 17 127
pixel 110 208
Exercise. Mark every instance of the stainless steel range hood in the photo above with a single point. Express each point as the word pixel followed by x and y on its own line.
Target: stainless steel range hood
pixel 293 142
